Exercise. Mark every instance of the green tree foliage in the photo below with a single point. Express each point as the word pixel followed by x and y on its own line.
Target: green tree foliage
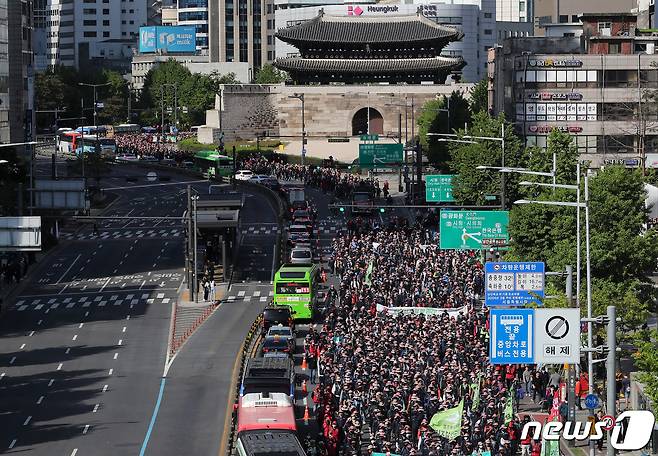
pixel 646 359
pixel 479 101
pixel 267 74
pixel 471 186
pixel 442 115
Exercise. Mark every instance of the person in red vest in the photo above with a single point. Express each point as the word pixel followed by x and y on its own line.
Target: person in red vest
pixel 582 388
pixel 536 448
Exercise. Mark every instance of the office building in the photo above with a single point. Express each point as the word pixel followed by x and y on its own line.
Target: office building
pixel 474 18
pixel 77 33
pixel 514 10
pixel 593 87
pixel 195 12
pixel 567 12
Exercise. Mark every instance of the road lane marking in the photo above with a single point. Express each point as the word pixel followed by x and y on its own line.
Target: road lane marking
pixel 68 269
pixel 40 400
pixel 128 317
pixel 116 355
pixel 50 383
pixel 95 408
pixel 123 330
pixel 105 284
pixel 22 347
pixel 68 350
pixel 75 337
pixel 74 452
pixel 2 375
pixel 59 367
pixel 27 420
pixel 86 314
pixel 120 342
pixel 142 452
pixel 84 431
pixel 11 445
pixel 39 322
pixel 12 360
pixel 80 326
pixel 105 388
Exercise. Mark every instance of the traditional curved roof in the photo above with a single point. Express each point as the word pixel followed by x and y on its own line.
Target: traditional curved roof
pixel 371 29
pixel 369 66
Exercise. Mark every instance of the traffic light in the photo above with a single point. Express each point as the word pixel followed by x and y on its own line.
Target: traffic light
pixel 341 208
pixel 382 210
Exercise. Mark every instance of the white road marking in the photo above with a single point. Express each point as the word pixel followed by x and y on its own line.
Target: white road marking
pixel 241 293
pixel 74 452
pixel 31 334
pixel 120 342
pixel 68 269
pixel 68 350
pixel 50 383
pixel 96 408
pixel 75 337
pixel 39 322
pixel 104 388
pixel 22 308
pixel 84 431
pixel 86 314
pixel 59 367
pixel 38 307
pixel 263 298
pixel 80 326
pixel 69 305
pixel 110 372
pixel 116 355
pixel 12 360
pixel 27 420
pixel 22 347
pixel 160 295
pixel 2 375
pixel 128 317
pixel 105 284
pixel 256 293
pixel 123 330
pixel 40 400
pixel 11 445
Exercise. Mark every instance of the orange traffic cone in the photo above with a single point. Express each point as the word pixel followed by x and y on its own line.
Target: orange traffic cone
pixel 304 389
pixel 304 363
pixel 306 416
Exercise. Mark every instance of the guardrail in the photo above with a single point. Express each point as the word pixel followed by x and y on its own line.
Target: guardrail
pixel 247 350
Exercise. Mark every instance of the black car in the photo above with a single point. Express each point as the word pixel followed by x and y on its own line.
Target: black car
pixel 275 315
pixel 277 346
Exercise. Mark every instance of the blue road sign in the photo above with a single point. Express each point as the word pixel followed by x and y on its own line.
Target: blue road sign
pixel 513 283
pixel 591 401
pixel 512 338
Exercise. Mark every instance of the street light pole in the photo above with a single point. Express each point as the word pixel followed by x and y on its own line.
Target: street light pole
pixel 502 163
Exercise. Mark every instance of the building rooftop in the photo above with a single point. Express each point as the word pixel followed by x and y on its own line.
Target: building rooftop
pixel 370 66
pixel 370 29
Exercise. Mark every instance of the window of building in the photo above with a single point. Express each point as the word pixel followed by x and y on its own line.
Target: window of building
pixel 131 22
pixel 487 31
pixel 605 28
pixel 574 18
pixel 89 1
pixel 89 34
pixel 564 18
pixel 132 11
pixel 106 22
pixel 123 22
pixel 488 15
pixel 269 39
pixel 106 11
pixel 89 11
pixel 270 55
pixel 614 48
pixel 521 7
pixel 106 34
pixel 89 22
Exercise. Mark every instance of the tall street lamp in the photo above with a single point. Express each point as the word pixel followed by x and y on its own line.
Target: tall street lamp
pixel 94 86
pixel 475 139
pixel 300 96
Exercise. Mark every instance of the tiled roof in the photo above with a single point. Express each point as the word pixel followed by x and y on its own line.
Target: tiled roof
pixel 372 29
pixel 371 66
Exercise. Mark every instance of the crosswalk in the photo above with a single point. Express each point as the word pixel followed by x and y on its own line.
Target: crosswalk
pixel 249 295
pixel 107 300
pixel 123 234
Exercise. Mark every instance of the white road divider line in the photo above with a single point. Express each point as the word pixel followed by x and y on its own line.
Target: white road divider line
pixel 96 408
pixel 22 347
pixel 27 420
pixel 74 452
pixel 75 337
pixel 110 372
pixel 40 400
pixel 31 334
pixel 50 383
pixel 11 445
pixel 60 366
pixel 120 342
pixel 116 355
pixel 105 388
pixel 84 431
pixel 12 360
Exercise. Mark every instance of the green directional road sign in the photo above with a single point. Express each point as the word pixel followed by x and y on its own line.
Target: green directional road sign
pixel 474 230
pixel 438 188
pixel 369 137
pixel 376 155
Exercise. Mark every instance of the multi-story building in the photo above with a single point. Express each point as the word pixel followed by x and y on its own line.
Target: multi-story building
pixel 88 32
pixel 565 12
pixel 195 12
pixel 169 15
pixel 595 87
pixel 474 18
pixel 514 10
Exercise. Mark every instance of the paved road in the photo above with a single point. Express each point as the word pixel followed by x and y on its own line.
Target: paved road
pixel 84 343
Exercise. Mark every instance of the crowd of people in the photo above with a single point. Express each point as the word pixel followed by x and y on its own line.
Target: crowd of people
pixel 389 372
pixel 147 145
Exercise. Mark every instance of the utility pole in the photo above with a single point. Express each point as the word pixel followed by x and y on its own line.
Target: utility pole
pixel 189 242
pixel 571 378
pixel 611 369
pixel 502 160
pixel 194 252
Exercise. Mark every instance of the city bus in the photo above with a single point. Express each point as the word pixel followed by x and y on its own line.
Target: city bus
pixel 126 128
pixel 213 164
pixel 67 142
pixel 92 130
pixel 71 142
pixel 296 286
pixel 264 411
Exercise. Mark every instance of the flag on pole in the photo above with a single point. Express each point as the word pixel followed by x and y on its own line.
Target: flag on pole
pixel 368 273
pixel 509 407
pixel 476 393
pixel 448 423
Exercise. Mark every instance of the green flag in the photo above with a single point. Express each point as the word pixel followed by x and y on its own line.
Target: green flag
pixel 448 423
pixel 476 394
pixel 509 408
pixel 550 447
pixel 368 272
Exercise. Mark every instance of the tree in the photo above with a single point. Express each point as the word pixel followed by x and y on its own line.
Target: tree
pixel 472 186
pixel 646 359
pixel 267 74
pixel 480 97
pixel 441 115
pixel 228 78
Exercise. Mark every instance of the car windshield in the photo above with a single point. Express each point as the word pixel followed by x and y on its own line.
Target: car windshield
pixel 301 254
pixel 275 343
pixel 280 332
pixel 298 229
pixel 276 314
pixel 300 214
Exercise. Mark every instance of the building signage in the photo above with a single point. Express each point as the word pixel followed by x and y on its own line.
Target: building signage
pixel 557 336
pixel 473 230
pixel 555 96
pixel 170 39
pixel 438 188
pixel 383 9
pixel 511 336
pixel 555 63
pixel 549 128
pixel 628 162
pixel 378 154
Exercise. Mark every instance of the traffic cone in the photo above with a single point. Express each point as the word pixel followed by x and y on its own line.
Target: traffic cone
pixel 306 415
pixel 304 363
pixel 304 389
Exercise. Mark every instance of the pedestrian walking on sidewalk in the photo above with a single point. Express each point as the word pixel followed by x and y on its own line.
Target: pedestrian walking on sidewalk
pixel 213 290
pixel 206 289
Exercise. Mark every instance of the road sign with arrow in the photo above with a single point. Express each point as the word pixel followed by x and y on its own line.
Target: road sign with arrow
pixel 377 154
pixel 474 230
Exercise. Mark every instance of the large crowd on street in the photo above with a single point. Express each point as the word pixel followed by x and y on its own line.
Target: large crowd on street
pixel 147 145
pixel 385 373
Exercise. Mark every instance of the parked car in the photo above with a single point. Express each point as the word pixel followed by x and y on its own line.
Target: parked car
pixel 258 179
pixel 274 315
pixel 244 175
pixel 301 255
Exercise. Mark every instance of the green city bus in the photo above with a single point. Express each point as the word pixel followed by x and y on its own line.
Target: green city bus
pixel 296 286
pixel 213 164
